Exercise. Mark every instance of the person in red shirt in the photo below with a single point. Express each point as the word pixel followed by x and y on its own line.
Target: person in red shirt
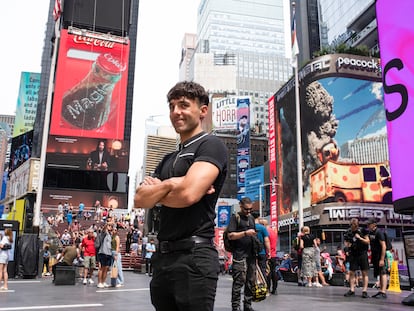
pixel 89 253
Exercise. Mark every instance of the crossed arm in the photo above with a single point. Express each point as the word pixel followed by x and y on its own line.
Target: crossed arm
pixel 177 192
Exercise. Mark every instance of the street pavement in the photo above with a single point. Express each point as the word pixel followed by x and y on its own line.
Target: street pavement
pixel 42 294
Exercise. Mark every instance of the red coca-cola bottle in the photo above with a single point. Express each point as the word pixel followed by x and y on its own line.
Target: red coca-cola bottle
pixel 88 104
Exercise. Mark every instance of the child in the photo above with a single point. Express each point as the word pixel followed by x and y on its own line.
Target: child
pixel 46 258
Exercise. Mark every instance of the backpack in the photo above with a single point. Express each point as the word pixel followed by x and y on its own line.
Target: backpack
pixel 387 242
pixel 98 241
pixel 228 244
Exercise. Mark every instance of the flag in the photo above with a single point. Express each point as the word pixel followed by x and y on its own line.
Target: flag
pixel 295 46
pixel 57 10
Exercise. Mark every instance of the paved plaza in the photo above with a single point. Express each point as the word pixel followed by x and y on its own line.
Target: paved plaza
pixel 42 294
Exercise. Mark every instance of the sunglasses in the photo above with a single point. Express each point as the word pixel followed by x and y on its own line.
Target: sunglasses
pixel 248 209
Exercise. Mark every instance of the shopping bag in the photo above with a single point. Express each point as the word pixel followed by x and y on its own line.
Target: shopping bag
pixel 259 288
pixel 114 274
pixel 114 271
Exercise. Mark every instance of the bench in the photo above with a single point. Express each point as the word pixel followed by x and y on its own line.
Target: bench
pixel 289 276
pixel 65 275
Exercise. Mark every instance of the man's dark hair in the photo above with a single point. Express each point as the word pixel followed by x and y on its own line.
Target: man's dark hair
pixel 255 214
pixel 191 90
pixel 245 201
pixel 99 142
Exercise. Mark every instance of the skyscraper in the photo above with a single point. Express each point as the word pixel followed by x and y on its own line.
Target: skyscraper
pixel 241 49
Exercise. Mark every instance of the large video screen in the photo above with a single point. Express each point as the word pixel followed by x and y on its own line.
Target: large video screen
pixel 395 33
pixel 21 150
pixel 52 198
pixel 91 154
pixel 344 141
pixel 90 90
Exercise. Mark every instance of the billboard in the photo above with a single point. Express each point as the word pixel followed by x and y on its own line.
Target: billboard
pixel 51 199
pixel 395 31
pixel 344 136
pixel 90 88
pixel 26 103
pixel 272 163
pixel 21 150
pixel 92 154
pixel 225 113
pixel 254 181
pixel 243 143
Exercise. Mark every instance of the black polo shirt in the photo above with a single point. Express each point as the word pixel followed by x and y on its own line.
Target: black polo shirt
pixel 197 219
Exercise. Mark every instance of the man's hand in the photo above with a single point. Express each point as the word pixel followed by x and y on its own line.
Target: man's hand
pixel 148 180
pixel 250 232
pixel 211 190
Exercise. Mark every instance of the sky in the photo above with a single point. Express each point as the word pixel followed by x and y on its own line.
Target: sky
pixel 161 28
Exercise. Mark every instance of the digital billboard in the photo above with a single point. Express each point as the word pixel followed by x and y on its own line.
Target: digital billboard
pixel 51 199
pixel 395 32
pixel 90 90
pixel 21 150
pixel 26 103
pixel 344 136
pixel 92 154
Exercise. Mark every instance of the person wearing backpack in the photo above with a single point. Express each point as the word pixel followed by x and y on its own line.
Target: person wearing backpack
pixel 378 244
pixel 241 229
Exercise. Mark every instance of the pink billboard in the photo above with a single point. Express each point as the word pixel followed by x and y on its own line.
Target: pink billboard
pixel 396 35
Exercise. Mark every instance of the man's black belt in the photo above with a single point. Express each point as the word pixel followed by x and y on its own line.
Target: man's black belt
pixel 166 247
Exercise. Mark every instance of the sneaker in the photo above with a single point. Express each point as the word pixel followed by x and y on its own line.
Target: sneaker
pixel 100 285
pixel 317 284
pixel 349 293
pixel 91 281
pixel 85 281
pixel 365 295
pixel 308 285
pixel 380 295
pixel 105 285
pixel 119 285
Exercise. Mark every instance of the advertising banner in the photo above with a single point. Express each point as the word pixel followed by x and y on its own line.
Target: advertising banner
pixel 92 154
pixel 344 135
pixel 21 150
pixel 224 113
pixel 254 181
pixel 272 164
pixel 395 34
pixel 223 215
pixel 90 89
pixel 243 164
pixel 51 199
pixel 26 103
pixel 243 143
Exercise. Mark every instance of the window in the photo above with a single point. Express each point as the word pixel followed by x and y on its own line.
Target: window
pixel 369 174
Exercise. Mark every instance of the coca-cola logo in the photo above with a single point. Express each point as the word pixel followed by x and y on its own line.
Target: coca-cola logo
pixel 94 42
pixel 109 58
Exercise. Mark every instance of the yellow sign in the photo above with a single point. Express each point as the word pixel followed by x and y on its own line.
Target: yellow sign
pixel 394 278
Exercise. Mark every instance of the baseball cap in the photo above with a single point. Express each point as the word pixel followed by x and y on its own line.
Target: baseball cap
pixel 371 221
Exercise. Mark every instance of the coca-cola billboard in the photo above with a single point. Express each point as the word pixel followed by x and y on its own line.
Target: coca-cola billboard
pixel 90 90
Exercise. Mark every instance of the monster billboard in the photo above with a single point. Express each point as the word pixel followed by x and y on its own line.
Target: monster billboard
pixel 343 130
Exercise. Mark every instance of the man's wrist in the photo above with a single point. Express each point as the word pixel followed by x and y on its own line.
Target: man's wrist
pixel 245 233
